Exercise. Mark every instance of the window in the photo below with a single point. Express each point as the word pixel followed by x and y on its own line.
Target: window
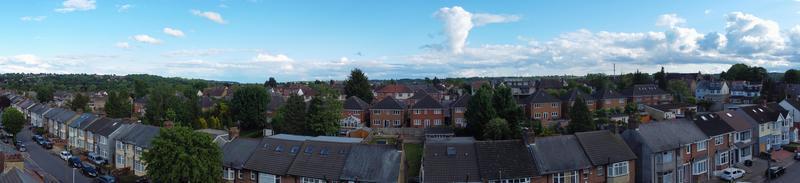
pixel 312 180
pixel 417 122
pixel 722 158
pixel 666 157
pixel 743 136
pixel 396 112
pixel 538 105
pixel 566 177
pixel 718 140
pixel 459 110
pixel 427 122
pixel 227 173
pixel 253 175
pixel 702 145
pixel 376 112
pixel 618 169
pixel 396 122
pixel 119 145
pixel 417 111
pixel 621 101
pixel 537 115
pixel 554 115
pixel 437 111
pixel 139 166
pixel 544 115
pixel 600 171
pixel 437 122
pixel 700 167
pixel 239 174
pixel 376 122
pixel 689 149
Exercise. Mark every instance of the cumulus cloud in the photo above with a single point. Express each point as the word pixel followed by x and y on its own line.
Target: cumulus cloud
pixel 794 36
pixel 458 23
pixel 124 7
pixel 76 5
pixel 33 18
pixel 713 41
pixel 264 57
pixel 123 45
pixel 210 15
pixel 748 34
pixel 146 39
pixel 173 32
pixel 670 20
pixel 707 11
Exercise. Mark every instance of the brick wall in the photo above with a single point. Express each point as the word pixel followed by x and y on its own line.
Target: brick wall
pixel 541 108
pixel 384 115
pixel 421 118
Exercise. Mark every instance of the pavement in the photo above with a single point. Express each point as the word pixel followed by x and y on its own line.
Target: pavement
pixel 755 173
pixel 49 162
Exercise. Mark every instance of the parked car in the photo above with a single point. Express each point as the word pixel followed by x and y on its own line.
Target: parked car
pixel 797 156
pixel 105 179
pixel 65 155
pixel 731 174
pixel 47 144
pixel 36 137
pixel 5 140
pixel 96 159
pixel 22 148
pixel 75 162
pixel 89 170
pixel 17 142
pixel 774 172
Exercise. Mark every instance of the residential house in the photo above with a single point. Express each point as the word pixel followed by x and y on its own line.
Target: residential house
pixel 206 103
pixel 773 125
pixel 609 100
pixel 505 161
pixel 101 134
pixel 354 115
pixel 139 106
pixel 611 159
pixel 708 90
pixel 793 106
pixel 458 109
pixel 427 112
pixel 387 113
pixel 37 115
pixel 596 156
pixel 234 156
pixel 429 89
pixel 220 137
pixel 274 104
pixel 50 120
pixel 131 144
pixel 569 99
pixel 669 111
pixel 373 163
pixel 397 91
pixel 300 90
pixel 97 102
pixel 791 90
pixel 23 107
pixel 690 79
pixel 648 94
pixel 270 162
pixel 76 135
pixel 218 92
pixel 744 92
pixel 321 159
pixel 544 84
pixel 668 151
pixel 719 146
pixel 59 123
pixel 519 86
pixel 542 106
pixel 440 156
pixel 743 136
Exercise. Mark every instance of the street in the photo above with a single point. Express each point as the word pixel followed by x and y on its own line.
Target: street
pixel 792 174
pixel 48 162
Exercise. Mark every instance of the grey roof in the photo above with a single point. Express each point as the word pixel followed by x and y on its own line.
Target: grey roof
pixel 736 119
pixel 372 163
pixel 643 90
pixel 670 134
pixel 670 106
pixel 462 101
pixel 459 166
pixel 140 135
pixel 541 97
pixel 16 175
pixel 388 103
pixel 65 116
pixel 273 155
pixel 54 112
pixel 603 147
pixel 355 103
pixel 336 139
pixel 105 126
pixel 236 152
pixel 427 102
pixel 710 85
pixel 321 160
pixel 82 120
pixel 558 154
pixel 39 109
pixel 275 102
pixel 574 94
pixel 762 114
pixel 291 137
pixel 504 159
pixel 712 124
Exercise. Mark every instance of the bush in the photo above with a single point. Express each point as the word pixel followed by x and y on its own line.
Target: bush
pixel 792 147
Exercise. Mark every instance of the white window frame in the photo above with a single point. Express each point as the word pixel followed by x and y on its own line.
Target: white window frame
pixel 702 145
pixel 417 122
pixel 722 158
pixel 564 176
pixel 227 173
pixel 618 169
pixel 700 167
pixel 719 140
pixel 311 180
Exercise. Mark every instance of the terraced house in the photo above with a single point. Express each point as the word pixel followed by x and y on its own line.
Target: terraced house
pixel 669 151
pixel 542 106
pixel 131 144
pixel 773 125
pixel 648 94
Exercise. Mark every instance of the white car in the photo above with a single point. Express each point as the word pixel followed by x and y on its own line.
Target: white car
pixel 730 174
pixel 65 155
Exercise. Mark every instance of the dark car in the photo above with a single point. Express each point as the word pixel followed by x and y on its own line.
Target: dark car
pixel 36 137
pixel 22 148
pixel 47 144
pixel 105 179
pixel 89 170
pixel 75 162
pixel 774 172
pixel 17 142
pixel 143 180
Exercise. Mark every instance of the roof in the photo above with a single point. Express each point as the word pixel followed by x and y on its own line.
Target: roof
pixel 39 109
pixel 644 89
pixel 462 101
pixel 712 124
pixel 273 155
pixel 549 84
pixel 608 94
pixel 574 94
pixel 336 139
pixel 541 97
pixel 321 160
pixel 236 152
pixel 105 126
pixel 16 175
pixel 83 121
pixel 736 120
pixel 710 85
pixel 372 163
pixel 140 135
pixel 440 156
pixel 65 116
pixel 558 154
pixel 54 112
pixel 355 103
pixel 670 106
pixel 395 88
pixel 669 134
pixel 761 114
pixel 603 147
pixel 427 102
pixel 275 102
pixel 388 103
pixel 504 159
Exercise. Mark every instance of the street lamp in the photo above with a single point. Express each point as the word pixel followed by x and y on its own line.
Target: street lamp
pixel 73 175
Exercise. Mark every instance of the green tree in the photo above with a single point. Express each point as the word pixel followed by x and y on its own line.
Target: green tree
pixel 497 129
pixel 118 105
pixel 249 107
pixel 358 85
pixel 180 154
pixel 13 120
pixel 139 88
pixel 744 72
pixel 599 81
pixel 768 89
pixel 631 108
pixel 661 79
pixel 291 117
pixel 791 76
pixel 580 117
pixel 271 83
pixel 323 116
pixel 479 111
pixel 44 94
pixel 215 123
pixel 79 102
pixel 506 107
pixel 202 123
pixel 680 90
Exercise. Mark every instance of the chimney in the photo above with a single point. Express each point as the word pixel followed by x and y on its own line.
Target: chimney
pixel 233 133
pixel 528 136
pixel 168 124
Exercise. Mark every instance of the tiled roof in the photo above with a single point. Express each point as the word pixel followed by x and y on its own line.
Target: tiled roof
pixel 736 120
pixel 558 153
pixel 710 85
pixel 669 134
pixel 540 97
pixel 65 116
pixel 275 102
pixel 549 84
pixel 321 160
pixel 395 88
pixel 603 147
pixel 712 124
pixel 462 101
pixel 644 90
pixel 761 114
pixel 506 159
pixel 427 103
pixel 574 94
pixel 274 155
pixel 450 160
pixel 372 163
pixel 608 94
pixel 236 152
pixel 355 103
pixel 388 103
pixel 140 135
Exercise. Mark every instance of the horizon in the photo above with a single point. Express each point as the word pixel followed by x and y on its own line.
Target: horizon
pixel 250 41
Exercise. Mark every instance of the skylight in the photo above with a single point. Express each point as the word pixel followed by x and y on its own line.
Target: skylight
pixel 309 150
pixel 729 114
pixel 451 151
pixel 294 149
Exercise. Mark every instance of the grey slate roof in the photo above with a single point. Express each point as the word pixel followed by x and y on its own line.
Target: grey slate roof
pixel 709 85
pixel 65 116
pixel 504 159
pixel 440 167
pixel 321 160
pixel 761 114
pixel 574 94
pixel 644 90
pixel 39 109
pixel 540 97
pixel 712 124
pixel 388 103
pixel 670 134
pixel 355 103
pixel 372 163
pixel 558 153
pixel 82 120
pixel 16 175
pixel 140 135
pixel 427 102
pixel 608 94
pixel 105 126
pixel 736 120
pixel 273 155
pixel 54 112
pixel 603 146
pixel 462 101
pixel 236 152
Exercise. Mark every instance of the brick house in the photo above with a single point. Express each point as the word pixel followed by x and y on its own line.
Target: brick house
pixel 515 164
pixel 597 156
pixel 744 136
pixel 569 99
pixel 662 149
pixel 234 156
pixel 542 106
pixel 396 91
pixel 609 99
pixel 427 112
pixel 354 115
pixel 457 110
pixel 719 147
pixel 388 112
pixel 648 94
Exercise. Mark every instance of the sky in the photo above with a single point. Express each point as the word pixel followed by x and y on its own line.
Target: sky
pixel 251 40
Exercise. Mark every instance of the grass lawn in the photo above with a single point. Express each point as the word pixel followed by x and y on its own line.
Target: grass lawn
pixel 413 153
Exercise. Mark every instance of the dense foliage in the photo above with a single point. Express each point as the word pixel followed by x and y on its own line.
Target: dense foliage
pixel 324 112
pixel 478 111
pixel 13 120
pixel 742 72
pixel 249 107
pixel 580 117
pixel 791 76
pixel 180 154
pixel 497 129
pixel 291 117
pixel 79 102
pixel 358 85
pixel 118 105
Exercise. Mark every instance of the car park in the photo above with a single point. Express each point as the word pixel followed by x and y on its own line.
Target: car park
pixel 75 162
pixel 731 174
pixel 774 172
pixel 65 155
pixel 105 179
pixel 89 170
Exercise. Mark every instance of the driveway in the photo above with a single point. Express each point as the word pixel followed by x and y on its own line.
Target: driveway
pixel 48 162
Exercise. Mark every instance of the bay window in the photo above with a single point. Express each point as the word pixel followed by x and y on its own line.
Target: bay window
pixel 618 169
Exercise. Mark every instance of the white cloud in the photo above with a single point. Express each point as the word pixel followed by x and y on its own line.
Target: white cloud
pixel 458 23
pixel 123 45
pixel 713 41
pixel 264 57
pixel 480 19
pixel 76 5
pixel 707 11
pixel 748 34
pixel 213 16
pixel 173 32
pixel 124 7
pixel 670 20
pixel 146 39
pixel 33 18
pixel 794 36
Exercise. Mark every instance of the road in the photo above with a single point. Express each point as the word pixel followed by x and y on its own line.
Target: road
pixel 48 162
pixel 792 174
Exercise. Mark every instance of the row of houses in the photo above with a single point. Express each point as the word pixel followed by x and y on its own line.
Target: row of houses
pixel 119 141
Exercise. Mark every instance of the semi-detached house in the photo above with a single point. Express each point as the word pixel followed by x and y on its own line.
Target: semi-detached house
pixel 662 148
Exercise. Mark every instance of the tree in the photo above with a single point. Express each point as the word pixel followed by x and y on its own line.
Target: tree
pixel 705 104
pixel 580 117
pixel 497 129
pixel 436 81
pixel 271 83
pixel 118 105
pixel 680 90
pixel 180 154
pixel 324 112
pixel 738 72
pixel 631 108
pixel 358 85
pixel 4 102
pixel 599 81
pixel 479 111
pixel 79 102
pixel 291 117
pixel 13 120
pixel 641 78
pixel 791 76
pixel 661 79
pixel 44 94
pixel 202 123
pixel 768 89
pixel 215 123
pixel 139 88
pixel 506 108
pixel 249 107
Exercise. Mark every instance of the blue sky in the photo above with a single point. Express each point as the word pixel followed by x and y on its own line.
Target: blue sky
pixel 250 40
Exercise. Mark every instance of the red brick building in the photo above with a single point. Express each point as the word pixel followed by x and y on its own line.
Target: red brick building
pixel 457 111
pixel 648 94
pixel 610 99
pixel 427 112
pixel 387 113
pixel 396 91
pixel 542 106
pixel 354 114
